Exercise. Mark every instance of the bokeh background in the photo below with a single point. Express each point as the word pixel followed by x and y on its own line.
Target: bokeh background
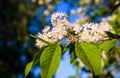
pixel 19 18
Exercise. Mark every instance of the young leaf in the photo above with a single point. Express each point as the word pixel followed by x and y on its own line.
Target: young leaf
pixel 50 60
pixel 107 45
pixel 33 62
pixel 28 68
pixel 67 48
pixel 72 54
pixel 40 39
pixel 89 55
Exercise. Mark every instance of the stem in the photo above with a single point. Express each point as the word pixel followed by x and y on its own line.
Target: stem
pixel 40 39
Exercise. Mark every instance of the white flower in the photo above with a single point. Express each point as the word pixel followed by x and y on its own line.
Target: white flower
pixel 94 32
pixel 47 37
pixel 89 32
pixel 46 29
pixel 39 43
pixel 59 19
pixel 76 28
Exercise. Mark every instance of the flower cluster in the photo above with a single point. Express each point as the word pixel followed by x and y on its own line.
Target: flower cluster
pixel 94 32
pixel 62 28
pixel 59 22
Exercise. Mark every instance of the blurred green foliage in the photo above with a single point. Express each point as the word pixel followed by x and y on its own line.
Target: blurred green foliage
pixel 15 16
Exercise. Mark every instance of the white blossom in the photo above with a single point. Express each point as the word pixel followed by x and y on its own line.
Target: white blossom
pixel 94 32
pixel 76 28
pixel 58 31
pixel 62 28
pixel 39 43
pixel 59 19
pixel 46 29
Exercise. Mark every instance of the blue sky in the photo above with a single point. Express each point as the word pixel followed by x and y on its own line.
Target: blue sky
pixel 65 69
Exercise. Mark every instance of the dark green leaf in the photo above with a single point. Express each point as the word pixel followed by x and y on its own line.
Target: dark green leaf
pixel 50 60
pixel 64 49
pixel 72 57
pixel 113 36
pixel 72 54
pixel 89 55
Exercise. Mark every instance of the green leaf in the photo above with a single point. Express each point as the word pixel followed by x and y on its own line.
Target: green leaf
pixel 65 48
pixel 113 36
pixel 28 68
pixel 50 60
pixel 40 39
pixel 114 26
pixel 81 54
pixel 89 55
pixel 107 45
pixel 33 62
pixel 115 23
